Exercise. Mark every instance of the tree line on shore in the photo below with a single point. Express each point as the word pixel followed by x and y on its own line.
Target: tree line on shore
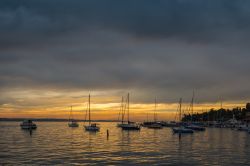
pixel 218 115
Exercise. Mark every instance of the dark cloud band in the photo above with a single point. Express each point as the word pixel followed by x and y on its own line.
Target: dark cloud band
pixel 158 47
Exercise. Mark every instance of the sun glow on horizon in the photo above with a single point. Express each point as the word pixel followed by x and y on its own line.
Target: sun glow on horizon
pixel 105 111
pixel 28 104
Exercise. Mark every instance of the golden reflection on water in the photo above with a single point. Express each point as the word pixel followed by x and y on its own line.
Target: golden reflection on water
pixel 55 143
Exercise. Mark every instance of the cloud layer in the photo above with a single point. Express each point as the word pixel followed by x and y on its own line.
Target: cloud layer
pixel 152 48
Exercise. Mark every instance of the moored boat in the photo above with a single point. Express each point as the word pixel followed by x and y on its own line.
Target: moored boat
pixel 155 124
pixel 72 122
pixel 169 124
pixel 181 129
pixel 121 114
pixel 91 126
pixel 195 127
pixel 243 127
pixel 129 125
pixel 28 124
pixel 191 125
pixel 147 123
pixel 121 124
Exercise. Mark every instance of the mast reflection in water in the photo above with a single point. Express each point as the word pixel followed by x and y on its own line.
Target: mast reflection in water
pixel 55 143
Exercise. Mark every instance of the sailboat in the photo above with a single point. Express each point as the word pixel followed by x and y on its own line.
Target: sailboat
pixel 28 124
pixel 91 126
pixel 122 114
pixel 155 124
pixel 181 129
pixel 72 122
pixel 130 125
pixel 147 123
pixel 192 125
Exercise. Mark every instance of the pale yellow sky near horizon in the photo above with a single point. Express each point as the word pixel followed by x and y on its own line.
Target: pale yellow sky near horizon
pixel 41 104
pixel 26 103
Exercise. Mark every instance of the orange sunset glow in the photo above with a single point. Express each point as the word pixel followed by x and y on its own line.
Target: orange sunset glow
pixel 125 82
pixel 52 104
pixel 51 61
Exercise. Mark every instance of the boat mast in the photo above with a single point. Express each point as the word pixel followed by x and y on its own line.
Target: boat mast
pixel 89 109
pixel 128 107
pixel 122 110
pixel 220 110
pixel 155 111
pixel 180 109
pixel 70 114
pixel 147 116
pixel 207 115
pixel 192 107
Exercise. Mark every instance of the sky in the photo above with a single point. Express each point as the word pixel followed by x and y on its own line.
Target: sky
pixel 53 53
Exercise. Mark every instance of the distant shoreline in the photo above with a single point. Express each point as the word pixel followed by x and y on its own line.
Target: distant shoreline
pixel 50 120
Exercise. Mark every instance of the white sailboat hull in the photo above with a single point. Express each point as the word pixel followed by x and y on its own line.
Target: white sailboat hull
pixel 155 126
pixel 73 124
pixel 33 126
pixel 121 124
pixel 131 126
pixel 182 130
pixel 195 128
pixel 28 124
pixel 92 128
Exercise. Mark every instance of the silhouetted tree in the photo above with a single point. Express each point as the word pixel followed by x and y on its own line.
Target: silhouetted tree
pixel 218 115
pixel 248 106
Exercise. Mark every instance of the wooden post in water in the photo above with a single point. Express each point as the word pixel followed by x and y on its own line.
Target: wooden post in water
pixel 30 129
pixel 107 134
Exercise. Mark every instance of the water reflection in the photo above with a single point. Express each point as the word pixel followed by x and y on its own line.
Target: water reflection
pixel 56 144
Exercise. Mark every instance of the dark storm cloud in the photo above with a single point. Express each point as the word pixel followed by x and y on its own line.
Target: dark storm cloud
pixel 185 19
pixel 159 47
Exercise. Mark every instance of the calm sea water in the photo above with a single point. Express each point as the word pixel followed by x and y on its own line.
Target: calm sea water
pixel 54 143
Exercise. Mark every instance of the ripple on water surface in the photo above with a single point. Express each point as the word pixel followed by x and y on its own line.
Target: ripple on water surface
pixel 55 143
